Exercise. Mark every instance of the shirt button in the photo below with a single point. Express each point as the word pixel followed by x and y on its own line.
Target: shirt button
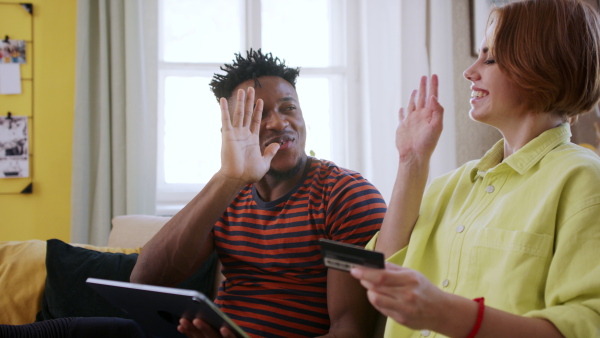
pixel 445 283
pixel 489 189
pixel 425 333
pixel 460 228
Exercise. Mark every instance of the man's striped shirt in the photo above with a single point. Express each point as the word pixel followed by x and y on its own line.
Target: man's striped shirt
pixel 275 281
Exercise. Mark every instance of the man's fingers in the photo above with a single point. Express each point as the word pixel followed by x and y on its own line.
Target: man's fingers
pixel 226 333
pixel 257 117
pixel 225 119
pixel 248 111
pixel 270 152
pixel 206 329
pixel 238 112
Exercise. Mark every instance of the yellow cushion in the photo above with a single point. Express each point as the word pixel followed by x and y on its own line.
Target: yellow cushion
pixel 126 251
pixel 23 276
pixel 587 145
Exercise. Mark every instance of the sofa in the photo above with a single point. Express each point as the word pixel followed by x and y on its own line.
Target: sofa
pixel 46 279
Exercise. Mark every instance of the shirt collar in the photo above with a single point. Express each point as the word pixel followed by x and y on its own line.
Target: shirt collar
pixel 527 156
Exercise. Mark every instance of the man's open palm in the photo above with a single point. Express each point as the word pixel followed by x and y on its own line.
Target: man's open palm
pixel 241 158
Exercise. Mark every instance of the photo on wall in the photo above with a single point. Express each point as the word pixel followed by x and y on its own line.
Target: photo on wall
pixel 12 51
pixel 14 149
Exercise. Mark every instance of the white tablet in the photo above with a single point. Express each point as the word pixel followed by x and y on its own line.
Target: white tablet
pixel 158 309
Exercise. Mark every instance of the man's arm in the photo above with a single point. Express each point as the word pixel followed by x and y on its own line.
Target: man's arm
pixel 184 242
pixel 350 312
pixel 355 212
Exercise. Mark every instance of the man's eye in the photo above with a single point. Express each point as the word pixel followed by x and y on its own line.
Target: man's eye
pixel 288 108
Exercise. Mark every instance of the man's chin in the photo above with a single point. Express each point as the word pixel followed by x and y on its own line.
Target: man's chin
pixel 286 172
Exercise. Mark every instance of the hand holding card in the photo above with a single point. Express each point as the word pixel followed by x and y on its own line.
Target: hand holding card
pixel 343 256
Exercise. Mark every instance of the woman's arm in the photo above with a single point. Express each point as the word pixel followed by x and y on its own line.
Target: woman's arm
pixel 406 296
pixel 416 137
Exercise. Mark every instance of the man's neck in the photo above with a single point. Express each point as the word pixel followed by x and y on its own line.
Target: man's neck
pixel 270 188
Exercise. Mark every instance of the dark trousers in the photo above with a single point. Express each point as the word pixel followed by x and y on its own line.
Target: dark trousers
pixel 75 327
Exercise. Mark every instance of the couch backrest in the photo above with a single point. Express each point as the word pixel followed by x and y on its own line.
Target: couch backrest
pixel 133 231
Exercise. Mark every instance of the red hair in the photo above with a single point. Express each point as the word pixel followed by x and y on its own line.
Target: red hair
pixel 550 50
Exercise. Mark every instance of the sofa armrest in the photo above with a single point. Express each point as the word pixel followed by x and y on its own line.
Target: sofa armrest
pixel 133 231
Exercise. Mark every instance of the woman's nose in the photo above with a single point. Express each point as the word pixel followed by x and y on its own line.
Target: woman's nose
pixel 470 73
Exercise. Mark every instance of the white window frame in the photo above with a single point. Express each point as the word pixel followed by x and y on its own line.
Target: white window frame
pixel 345 121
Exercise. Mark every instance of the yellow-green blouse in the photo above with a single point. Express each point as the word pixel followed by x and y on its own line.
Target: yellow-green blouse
pixel 524 233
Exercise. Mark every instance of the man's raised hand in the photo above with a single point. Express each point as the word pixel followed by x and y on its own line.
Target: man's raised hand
pixel 241 157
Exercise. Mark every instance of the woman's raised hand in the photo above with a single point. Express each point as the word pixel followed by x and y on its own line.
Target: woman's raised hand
pixel 420 123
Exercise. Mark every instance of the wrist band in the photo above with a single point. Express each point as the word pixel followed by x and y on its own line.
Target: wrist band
pixel 480 311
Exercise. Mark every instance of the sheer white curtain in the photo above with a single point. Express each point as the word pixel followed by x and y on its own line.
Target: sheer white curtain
pixel 402 40
pixel 115 121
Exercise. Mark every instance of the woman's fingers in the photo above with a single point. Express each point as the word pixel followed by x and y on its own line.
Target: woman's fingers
pixel 437 116
pixel 420 98
pixel 401 114
pixel 422 92
pixel 411 102
pixel 433 86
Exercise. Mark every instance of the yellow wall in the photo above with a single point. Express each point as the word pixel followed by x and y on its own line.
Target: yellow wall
pixel 45 213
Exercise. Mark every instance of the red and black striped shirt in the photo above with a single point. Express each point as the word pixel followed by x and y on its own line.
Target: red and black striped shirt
pixel 275 281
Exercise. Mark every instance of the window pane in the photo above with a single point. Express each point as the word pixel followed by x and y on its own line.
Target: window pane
pixel 314 97
pixel 202 30
pixel 298 31
pixel 192 130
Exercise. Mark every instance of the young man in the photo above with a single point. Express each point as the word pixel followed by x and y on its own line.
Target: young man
pixel 264 212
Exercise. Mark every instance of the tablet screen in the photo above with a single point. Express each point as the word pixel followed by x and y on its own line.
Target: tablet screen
pixel 158 309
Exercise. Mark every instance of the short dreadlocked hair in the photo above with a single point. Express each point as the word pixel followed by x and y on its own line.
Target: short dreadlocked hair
pixel 255 65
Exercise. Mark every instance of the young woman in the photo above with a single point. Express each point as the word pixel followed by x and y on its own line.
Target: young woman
pixel 509 245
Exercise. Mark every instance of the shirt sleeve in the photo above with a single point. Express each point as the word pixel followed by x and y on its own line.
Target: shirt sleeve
pixel 572 292
pixel 355 211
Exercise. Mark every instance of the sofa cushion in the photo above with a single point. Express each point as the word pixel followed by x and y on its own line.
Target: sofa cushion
pixel 67 295
pixel 22 276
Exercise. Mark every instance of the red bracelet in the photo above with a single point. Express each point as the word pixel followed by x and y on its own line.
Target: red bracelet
pixel 477 325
